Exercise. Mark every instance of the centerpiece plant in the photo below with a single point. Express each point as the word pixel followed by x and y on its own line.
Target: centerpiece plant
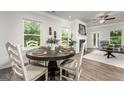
pixel 52 42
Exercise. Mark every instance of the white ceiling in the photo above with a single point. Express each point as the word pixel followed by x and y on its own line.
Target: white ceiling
pixel 88 16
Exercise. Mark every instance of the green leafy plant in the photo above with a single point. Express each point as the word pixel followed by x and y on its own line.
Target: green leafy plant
pixel 115 36
pixel 109 47
pixel 72 42
pixel 52 41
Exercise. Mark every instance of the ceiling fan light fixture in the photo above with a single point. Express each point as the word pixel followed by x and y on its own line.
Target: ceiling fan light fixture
pixel 102 20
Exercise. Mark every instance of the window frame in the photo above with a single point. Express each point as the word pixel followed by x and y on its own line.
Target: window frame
pixel 39 35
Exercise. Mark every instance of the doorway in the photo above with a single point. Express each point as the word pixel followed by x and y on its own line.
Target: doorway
pixel 95 39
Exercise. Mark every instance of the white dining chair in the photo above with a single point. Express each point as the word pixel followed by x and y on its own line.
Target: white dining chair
pixel 32 43
pixel 25 72
pixel 72 67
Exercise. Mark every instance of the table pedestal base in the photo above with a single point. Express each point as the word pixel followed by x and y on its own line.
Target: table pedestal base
pixel 52 69
pixel 108 54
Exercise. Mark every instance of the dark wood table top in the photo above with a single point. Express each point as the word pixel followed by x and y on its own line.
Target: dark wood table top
pixel 46 54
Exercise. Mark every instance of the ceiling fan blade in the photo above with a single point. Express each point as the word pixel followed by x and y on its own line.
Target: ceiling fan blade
pixel 107 12
pixel 106 16
pixel 94 21
pixel 110 18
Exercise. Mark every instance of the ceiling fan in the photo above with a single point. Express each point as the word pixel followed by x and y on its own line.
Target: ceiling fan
pixel 103 18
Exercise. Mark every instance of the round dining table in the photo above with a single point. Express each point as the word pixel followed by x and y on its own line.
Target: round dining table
pixel 45 54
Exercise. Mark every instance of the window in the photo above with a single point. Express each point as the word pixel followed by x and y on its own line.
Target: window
pixel 31 33
pixel 96 39
pixel 115 37
pixel 64 36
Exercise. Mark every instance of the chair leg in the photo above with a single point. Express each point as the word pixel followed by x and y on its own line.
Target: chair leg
pixel 60 74
pixel 45 63
pixel 46 76
pixel 11 74
pixel 29 61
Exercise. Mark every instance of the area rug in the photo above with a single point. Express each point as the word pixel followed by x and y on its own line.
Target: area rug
pixel 98 56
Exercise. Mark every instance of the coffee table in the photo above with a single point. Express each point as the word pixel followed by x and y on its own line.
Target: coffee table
pixel 110 51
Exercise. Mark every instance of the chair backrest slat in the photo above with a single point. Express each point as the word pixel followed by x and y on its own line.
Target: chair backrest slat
pixel 78 69
pixel 18 71
pixel 8 45
pixel 17 60
pixel 32 43
pixel 14 60
pixel 13 54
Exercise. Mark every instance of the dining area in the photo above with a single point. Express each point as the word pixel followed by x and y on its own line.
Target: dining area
pixel 44 63
pixel 38 49
pixel 50 58
pixel 44 44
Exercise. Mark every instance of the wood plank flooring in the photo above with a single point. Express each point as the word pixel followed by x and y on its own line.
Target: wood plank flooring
pixel 96 71
pixel 91 71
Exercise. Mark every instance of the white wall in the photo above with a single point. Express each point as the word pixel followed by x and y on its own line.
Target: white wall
pixel 3 38
pixel 12 29
pixel 104 32
pixel 77 36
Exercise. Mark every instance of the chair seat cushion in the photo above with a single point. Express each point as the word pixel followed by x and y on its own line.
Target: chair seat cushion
pixel 69 64
pixel 34 72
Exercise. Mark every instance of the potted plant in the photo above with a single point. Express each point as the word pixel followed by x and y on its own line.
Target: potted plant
pixel 52 42
pixel 109 47
pixel 72 42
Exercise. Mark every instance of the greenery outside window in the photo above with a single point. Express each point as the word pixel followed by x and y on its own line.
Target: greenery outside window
pixel 115 37
pixel 94 39
pixel 64 35
pixel 31 32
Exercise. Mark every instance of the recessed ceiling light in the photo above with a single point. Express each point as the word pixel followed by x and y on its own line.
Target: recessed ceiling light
pixel 69 17
pixel 53 11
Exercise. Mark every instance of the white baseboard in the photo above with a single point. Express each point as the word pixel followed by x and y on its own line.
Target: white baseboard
pixel 5 66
